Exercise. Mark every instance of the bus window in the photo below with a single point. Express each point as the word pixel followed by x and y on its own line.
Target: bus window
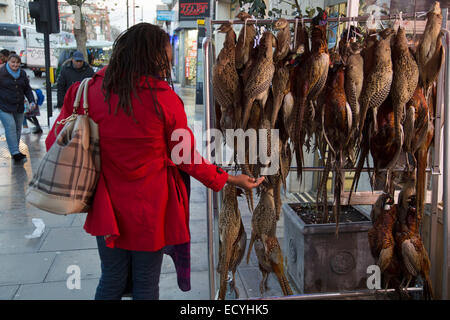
pixel 13 38
pixel 9 30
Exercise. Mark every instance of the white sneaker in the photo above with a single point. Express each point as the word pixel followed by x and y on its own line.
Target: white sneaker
pixel 26 130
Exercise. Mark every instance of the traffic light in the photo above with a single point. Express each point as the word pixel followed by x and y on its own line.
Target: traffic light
pixel 46 15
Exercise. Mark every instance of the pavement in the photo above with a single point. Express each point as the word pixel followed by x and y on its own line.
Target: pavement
pixel 40 268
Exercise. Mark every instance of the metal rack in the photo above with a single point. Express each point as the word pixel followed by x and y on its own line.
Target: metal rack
pixel 443 96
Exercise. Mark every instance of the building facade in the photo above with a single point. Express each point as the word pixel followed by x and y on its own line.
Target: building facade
pixel 97 19
pixel 15 11
pixel 98 25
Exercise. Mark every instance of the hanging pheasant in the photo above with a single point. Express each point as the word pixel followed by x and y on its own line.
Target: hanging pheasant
pixel 405 79
pixel 226 81
pixel 258 84
pixel 308 81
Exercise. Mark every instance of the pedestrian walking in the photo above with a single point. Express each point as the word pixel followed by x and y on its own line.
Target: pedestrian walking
pixel 31 114
pixel 141 205
pixel 4 54
pixel 76 70
pixel 14 87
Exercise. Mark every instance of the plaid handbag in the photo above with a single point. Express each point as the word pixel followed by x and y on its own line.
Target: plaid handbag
pixel 67 176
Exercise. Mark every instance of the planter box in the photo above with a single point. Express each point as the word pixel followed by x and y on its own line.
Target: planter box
pixel 318 261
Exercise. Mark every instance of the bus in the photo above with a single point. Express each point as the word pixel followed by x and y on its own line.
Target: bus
pixel 14 38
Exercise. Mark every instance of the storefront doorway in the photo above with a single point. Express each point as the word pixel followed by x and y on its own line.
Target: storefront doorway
pixel 190 57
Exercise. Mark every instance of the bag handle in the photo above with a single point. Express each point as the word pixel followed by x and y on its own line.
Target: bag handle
pixel 82 89
pixel 85 97
pixel 76 103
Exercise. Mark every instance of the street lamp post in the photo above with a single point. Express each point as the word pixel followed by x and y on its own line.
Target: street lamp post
pixel 128 17
pixel 134 13
pixel 142 12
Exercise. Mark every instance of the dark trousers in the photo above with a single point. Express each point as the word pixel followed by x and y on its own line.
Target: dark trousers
pixel 34 120
pixel 116 264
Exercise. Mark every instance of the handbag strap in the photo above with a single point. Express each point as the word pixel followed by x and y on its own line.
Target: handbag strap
pixel 85 97
pixel 80 90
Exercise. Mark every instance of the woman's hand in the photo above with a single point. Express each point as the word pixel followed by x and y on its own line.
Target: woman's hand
pixel 245 181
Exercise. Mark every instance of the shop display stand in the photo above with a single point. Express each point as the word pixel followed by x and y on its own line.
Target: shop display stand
pixel 437 168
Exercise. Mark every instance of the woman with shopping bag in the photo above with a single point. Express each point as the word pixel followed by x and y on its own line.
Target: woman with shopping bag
pixel 14 87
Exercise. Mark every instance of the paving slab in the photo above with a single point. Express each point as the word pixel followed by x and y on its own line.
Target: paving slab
pixel 57 291
pixel 197 210
pixel 199 259
pixel 199 230
pixel 22 218
pixel 71 238
pixel 87 260
pixel 25 268
pixel 168 287
pixel 7 292
pixel 251 278
pixel 14 241
pixel 79 220
pixel 198 194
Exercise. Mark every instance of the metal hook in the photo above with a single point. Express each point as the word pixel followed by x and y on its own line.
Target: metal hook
pixel 245 28
pixel 258 32
pixel 415 19
pixel 295 32
pixel 349 28
pixel 337 31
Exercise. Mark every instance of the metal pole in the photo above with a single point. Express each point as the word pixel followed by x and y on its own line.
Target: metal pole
pixel 209 194
pixel 134 12
pixel 128 15
pixel 436 169
pixel 336 295
pixel 320 169
pixel 419 15
pixel 47 76
pixel 446 195
pixel 211 197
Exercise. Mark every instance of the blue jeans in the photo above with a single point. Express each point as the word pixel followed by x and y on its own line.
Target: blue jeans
pixel 116 264
pixel 13 129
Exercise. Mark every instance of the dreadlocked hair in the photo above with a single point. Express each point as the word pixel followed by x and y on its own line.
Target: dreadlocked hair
pixel 138 51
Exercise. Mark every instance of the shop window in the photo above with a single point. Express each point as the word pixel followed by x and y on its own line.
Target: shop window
pixel 335 30
pixel 190 57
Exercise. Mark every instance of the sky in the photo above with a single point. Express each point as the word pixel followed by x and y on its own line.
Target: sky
pixel 118 16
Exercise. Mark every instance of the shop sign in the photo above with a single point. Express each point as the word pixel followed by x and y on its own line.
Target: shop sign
pixel 193 9
pixel 165 15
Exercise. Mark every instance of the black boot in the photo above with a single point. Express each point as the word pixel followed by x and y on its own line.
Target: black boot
pixel 37 130
pixel 19 157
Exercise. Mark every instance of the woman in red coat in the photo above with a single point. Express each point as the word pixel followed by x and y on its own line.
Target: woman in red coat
pixel 141 206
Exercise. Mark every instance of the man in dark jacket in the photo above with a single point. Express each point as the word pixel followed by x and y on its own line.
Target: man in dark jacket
pixel 75 70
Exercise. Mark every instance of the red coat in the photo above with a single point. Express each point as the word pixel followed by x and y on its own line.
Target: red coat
pixel 141 202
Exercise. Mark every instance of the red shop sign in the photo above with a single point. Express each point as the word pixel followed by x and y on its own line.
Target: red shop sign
pixel 193 9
